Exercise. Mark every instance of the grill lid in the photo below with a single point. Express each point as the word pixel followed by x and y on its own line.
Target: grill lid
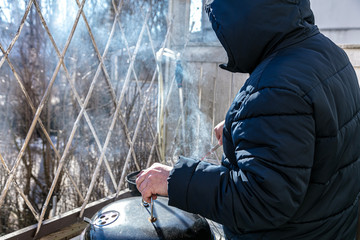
pixel 129 219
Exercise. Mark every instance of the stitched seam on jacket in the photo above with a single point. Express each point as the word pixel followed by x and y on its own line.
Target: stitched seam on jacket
pixel 280 88
pixel 272 115
pixel 356 117
pixel 330 216
pixel 336 173
pixel 281 165
pixel 328 78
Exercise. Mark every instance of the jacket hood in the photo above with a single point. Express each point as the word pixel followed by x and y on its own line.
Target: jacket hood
pixel 250 30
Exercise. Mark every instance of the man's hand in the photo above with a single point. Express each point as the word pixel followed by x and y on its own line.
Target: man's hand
pixel 218 129
pixel 153 181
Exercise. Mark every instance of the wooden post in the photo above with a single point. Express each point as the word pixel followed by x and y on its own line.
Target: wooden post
pixel 179 13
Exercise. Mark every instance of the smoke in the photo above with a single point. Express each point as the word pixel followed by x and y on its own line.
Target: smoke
pixel 191 137
pixel 198 122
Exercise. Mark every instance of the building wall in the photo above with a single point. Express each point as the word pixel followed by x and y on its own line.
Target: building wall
pixel 339 20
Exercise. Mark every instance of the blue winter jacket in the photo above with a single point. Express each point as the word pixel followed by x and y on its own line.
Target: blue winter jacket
pixel 291 166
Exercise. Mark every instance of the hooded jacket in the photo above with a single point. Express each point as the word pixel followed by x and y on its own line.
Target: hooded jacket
pixel 291 140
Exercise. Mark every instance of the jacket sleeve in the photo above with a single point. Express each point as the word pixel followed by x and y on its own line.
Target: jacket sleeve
pixel 272 138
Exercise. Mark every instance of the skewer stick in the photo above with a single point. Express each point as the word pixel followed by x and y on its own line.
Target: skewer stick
pixel 152 218
pixel 213 149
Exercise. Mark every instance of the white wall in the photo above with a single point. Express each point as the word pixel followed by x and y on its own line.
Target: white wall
pixel 338 19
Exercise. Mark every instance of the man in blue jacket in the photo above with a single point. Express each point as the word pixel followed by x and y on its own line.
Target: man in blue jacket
pixel 291 138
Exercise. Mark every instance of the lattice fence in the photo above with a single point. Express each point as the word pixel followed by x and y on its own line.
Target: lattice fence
pixel 92 114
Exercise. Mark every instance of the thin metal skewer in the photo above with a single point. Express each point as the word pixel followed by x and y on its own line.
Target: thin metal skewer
pixel 213 149
pixel 152 218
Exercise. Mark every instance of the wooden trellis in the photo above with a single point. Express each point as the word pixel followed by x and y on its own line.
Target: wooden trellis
pixel 117 101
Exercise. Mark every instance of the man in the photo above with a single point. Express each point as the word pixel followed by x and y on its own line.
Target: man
pixel 291 164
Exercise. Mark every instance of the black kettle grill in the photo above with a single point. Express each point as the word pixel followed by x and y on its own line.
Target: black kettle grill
pixel 130 218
